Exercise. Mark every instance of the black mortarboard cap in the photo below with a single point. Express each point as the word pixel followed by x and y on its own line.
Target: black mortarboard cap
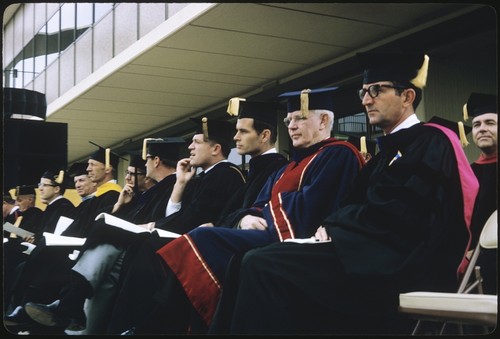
pixel 165 148
pixel 105 156
pixel 459 128
pixel 258 110
pixel 480 103
pixel 25 190
pixel 57 178
pixel 137 161
pixel 220 131
pixel 77 169
pixel 405 68
pixel 309 99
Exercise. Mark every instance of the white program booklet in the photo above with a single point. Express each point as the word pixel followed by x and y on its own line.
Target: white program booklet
pixel 128 226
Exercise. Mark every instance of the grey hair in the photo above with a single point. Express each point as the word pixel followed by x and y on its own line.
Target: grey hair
pixel 330 114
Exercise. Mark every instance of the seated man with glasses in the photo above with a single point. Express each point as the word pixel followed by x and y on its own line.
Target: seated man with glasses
pixel 404 226
pixel 51 189
pixel 47 267
pixel 290 205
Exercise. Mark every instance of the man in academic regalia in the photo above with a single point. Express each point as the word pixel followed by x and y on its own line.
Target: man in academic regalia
pixel 143 199
pixel 10 210
pixel 403 227
pixel 255 136
pixel 47 268
pixel 482 108
pixel 201 200
pixel 24 214
pixel 321 170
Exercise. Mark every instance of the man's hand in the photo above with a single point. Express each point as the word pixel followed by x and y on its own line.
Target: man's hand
pixel 321 234
pixel 126 195
pixel 184 171
pixel 251 222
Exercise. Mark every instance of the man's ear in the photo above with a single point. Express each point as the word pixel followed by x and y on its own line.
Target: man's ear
pixel 409 96
pixel 217 148
pixel 265 135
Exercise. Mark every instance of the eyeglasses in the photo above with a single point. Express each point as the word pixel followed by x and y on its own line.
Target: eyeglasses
pixel 295 120
pixel 40 184
pixel 134 173
pixel 374 90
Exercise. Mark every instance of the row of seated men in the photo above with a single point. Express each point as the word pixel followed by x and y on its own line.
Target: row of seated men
pixel 320 243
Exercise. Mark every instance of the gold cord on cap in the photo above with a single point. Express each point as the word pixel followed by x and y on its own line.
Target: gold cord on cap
pixel 233 108
pixel 362 145
pixel 304 102
pixel 145 147
pixel 60 177
pixel 421 79
pixel 107 163
pixel 204 126
pixel 461 132
pixel 465 112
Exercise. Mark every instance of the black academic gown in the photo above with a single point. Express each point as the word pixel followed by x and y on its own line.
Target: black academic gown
pixel 12 250
pixel 487 198
pixel 402 228
pixel 260 168
pixel 486 203
pixel 202 202
pixel 146 207
pixel 31 221
pixel 47 268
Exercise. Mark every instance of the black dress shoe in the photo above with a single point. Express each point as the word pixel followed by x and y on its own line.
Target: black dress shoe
pixel 48 315
pixel 17 318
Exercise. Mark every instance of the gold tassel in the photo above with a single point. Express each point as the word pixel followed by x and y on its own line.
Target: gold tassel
pixel 362 145
pixel 463 137
pixel 108 165
pixel 204 126
pixel 60 177
pixel 16 224
pixel 421 79
pixel 304 102
pixel 145 148
pixel 233 108
pixel 465 112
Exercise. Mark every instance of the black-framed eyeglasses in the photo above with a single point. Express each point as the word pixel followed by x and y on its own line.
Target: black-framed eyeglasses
pixel 41 184
pixel 295 119
pixel 374 90
pixel 134 173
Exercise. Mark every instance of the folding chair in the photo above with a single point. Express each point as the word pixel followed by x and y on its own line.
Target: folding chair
pixel 463 307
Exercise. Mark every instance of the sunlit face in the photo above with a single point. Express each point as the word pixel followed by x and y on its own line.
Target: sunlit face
pixel 96 171
pixel 83 185
pixel 25 201
pixel 386 109
pixel 484 132
pixel 304 132
pixel 248 141
pixel 200 152
pixel 48 191
pixel 134 173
